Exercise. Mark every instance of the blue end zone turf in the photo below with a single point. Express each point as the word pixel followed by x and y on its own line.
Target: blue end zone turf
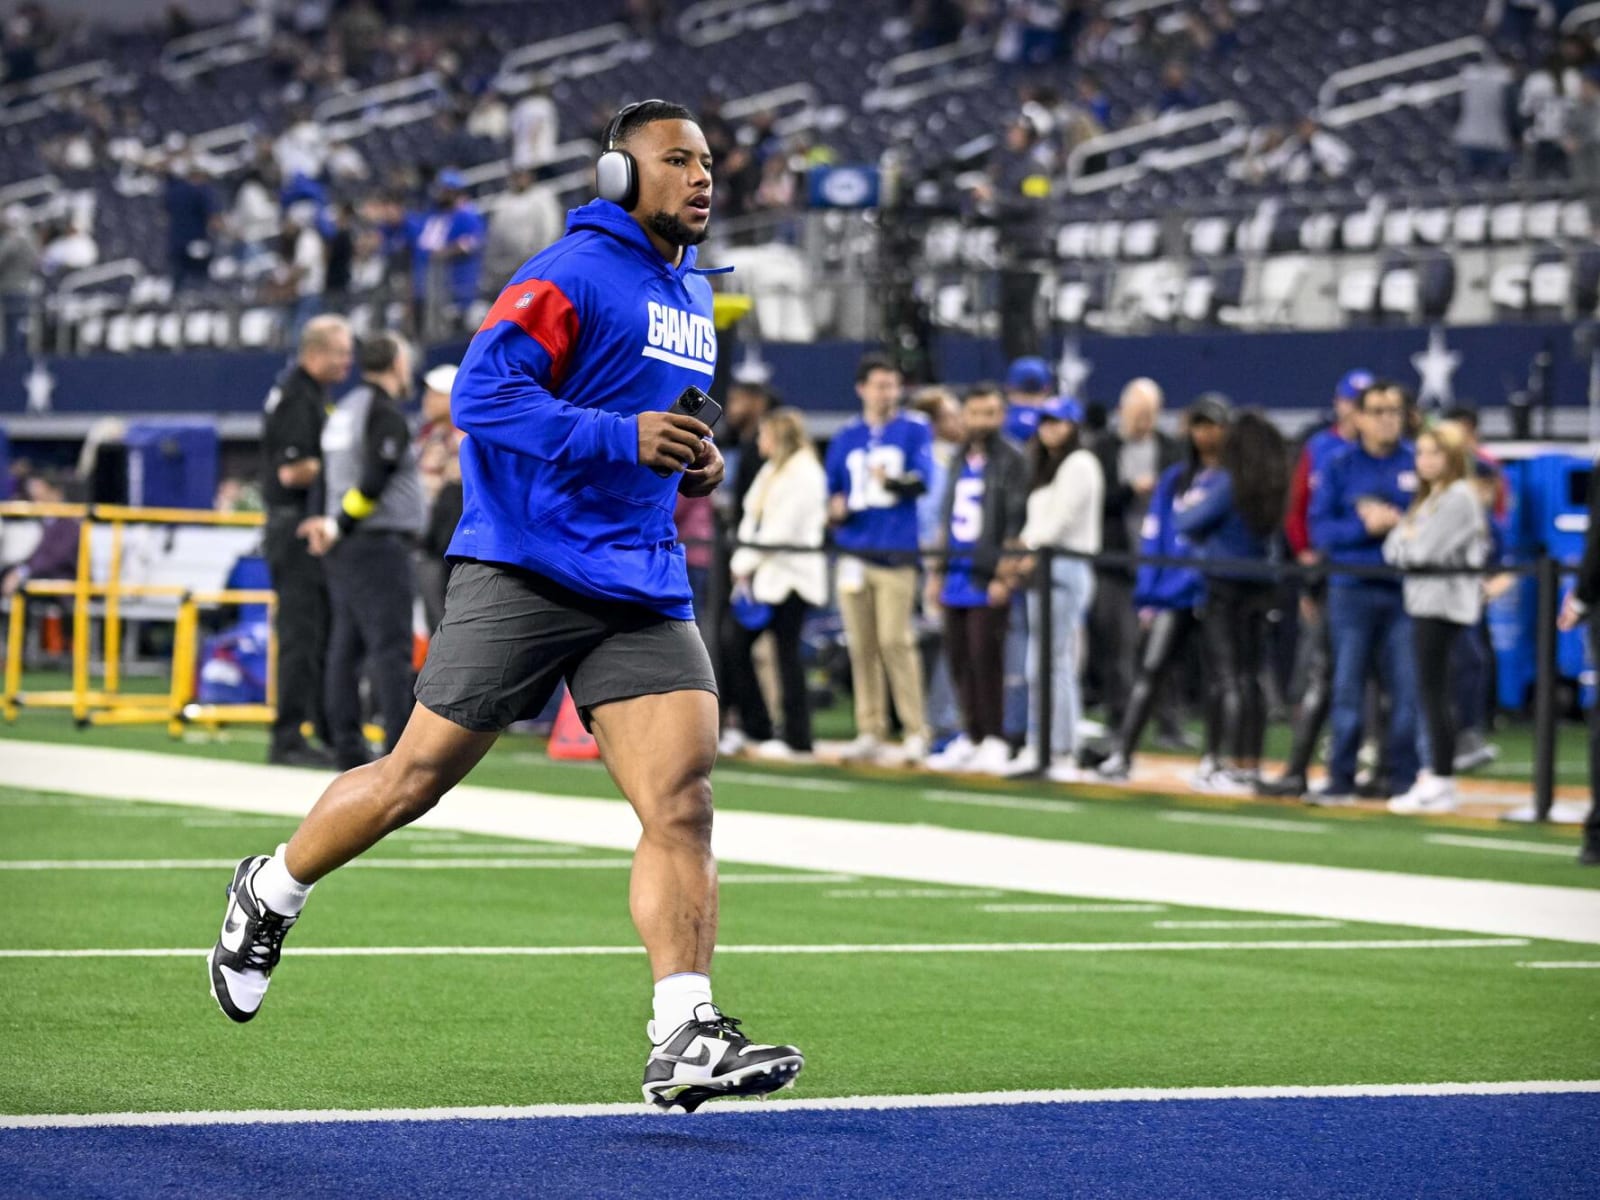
pixel 1532 1146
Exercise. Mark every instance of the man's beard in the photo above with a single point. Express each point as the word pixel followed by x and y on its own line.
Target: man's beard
pixel 674 231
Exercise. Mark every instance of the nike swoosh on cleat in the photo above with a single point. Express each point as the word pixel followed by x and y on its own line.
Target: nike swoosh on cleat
pixel 699 1060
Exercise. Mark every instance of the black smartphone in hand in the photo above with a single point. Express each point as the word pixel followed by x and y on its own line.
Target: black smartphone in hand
pixel 692 402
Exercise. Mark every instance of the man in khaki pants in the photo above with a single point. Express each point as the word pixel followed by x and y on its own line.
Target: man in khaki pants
pixel 877 467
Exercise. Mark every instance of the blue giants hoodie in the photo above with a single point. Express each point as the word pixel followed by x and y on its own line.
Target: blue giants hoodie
pixel 588 334
pixel 1167 587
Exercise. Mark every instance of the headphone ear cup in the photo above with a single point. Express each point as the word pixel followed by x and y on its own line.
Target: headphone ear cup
pixel 616 178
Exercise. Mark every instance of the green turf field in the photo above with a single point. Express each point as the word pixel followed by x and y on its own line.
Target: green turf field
pixel 406 1030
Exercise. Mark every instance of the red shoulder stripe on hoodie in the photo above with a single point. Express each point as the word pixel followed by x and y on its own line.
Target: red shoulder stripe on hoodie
pixel 542 311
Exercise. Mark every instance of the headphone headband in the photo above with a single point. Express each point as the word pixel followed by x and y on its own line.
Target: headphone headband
pixel 613 129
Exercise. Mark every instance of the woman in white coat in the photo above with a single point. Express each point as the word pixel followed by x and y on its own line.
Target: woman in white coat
pixel 787 505
pixel 1064 513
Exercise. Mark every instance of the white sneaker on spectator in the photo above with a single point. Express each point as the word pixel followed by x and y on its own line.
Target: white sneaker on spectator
pixel 1430 794
pixel 1025 763
pixel 1323 798
pixel 1064 769
pixel 956 755
pixel 992 757
pixel 732 743
pixel 1202 775
pixel 1115 767
pixel 914 750
pixel 775 750
pixel 1225 781
pixel 865 748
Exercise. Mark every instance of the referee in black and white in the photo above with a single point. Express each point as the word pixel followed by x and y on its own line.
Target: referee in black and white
pixel 376 510
pixel 291 490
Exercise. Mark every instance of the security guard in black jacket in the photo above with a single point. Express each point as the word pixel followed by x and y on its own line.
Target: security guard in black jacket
pixel 375 512
pixel 291 489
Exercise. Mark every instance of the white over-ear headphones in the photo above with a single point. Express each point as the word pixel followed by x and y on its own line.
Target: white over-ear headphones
pixel 616 172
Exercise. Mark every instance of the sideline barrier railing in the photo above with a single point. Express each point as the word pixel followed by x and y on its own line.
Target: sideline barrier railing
pixel 109 705
pixel 1546 571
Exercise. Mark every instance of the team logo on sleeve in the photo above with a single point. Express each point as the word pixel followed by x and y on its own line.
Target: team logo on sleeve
pixel 684 339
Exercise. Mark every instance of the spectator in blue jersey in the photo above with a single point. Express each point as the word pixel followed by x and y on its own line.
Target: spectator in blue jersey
pixel 1234 513
pixel 1067 493
pixel 565 566
pixel 878 465
pixel 1169 599
pixel 985 505
pixel 1316 653
pixel 943 411
pixel 1364 490
pixel 447 250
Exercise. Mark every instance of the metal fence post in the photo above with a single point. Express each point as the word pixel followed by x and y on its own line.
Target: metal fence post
pixel 1044 667
pixel 1544 686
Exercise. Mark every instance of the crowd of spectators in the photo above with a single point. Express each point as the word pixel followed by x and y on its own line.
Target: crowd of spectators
pixel 941 512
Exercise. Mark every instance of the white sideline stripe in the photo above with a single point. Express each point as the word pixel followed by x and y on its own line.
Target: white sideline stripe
pixel 911 893
pixel 795 877
pixel 797 783
pixel 808 948
pixel 490 849
pixel 1072 908
pixel 984 800
pixel 1508 844
pixel 1271 824
pixel 312 1116
pixel 912 853
pixel 1245 924
pixel 1590 965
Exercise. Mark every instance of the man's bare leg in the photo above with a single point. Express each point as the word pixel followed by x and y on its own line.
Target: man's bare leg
pixel 660 751
pixel 357 810
pixel 364 805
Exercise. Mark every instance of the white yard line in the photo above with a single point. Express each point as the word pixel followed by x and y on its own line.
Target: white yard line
pixel 1245 924
pixel 815 948
pixel 912 893
pixel 733 1110
pixel 797 783
pixel 1270 824
pixel 1510 845
pixel 1072 908
pixel 985 800
pixel 1591 965
pixel 910 852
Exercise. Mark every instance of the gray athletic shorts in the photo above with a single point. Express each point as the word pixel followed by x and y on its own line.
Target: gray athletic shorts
pixel 509 636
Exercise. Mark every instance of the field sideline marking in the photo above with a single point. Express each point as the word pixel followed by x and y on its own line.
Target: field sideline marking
pixel 1270 824
pixel 884 850
pixel 1246 924
pixel 933 893
pixel 317 1116
pixel 1485 843
pixel 530 863
pixel 1072 908
pixel 1581 965
pixel 808 948
pixel 983 800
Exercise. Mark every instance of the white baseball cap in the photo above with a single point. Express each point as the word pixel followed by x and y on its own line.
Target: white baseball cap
pixel 441 379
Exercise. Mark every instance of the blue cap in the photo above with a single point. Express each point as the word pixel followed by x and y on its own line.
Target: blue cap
pixel 1353 384
pixel 1030 375
pixel 452 179
pixel 1061 408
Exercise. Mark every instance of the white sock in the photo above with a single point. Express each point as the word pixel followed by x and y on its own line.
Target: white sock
pixel 277 889
pixel 676 999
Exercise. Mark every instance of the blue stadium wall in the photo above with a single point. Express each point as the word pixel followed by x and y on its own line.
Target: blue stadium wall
pixel 1272 370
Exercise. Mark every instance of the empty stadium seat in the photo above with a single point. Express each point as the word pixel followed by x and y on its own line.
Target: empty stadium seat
pixel 1358 293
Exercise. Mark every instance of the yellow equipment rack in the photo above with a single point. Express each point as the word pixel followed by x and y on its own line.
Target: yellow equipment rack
pixel 110 705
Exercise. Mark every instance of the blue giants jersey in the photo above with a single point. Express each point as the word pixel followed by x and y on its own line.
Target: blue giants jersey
pixel 587 335
pixel 961 590
pixel 880 519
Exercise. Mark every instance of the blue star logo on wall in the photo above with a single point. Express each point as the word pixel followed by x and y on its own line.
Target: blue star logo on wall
pixel 1436 365
pixel 1072 369
pixel 40 386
